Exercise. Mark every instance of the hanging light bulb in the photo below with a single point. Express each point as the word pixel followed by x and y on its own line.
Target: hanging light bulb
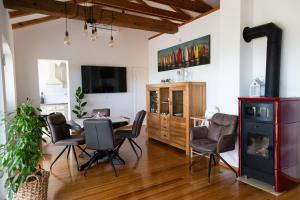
pixel 93 36
pixel 67 40
pixel 96 33
pixel 111 43
pixel 86 32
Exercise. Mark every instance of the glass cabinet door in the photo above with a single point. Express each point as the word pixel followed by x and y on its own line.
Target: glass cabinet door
pixel 153 101
pixel 164 101
pixel 177 102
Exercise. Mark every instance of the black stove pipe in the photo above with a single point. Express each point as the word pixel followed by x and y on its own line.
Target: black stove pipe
pixel 274 36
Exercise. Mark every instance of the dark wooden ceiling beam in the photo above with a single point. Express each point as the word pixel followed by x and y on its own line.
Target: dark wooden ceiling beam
pixel 33 22
pixel 18 13
pixel 178 10
pixel 139 8
pixel 57 9
pixel 197 6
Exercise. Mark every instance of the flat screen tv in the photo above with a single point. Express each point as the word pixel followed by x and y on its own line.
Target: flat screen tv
pixel 103 79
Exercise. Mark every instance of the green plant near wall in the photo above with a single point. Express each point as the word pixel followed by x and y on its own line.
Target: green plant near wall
pixel 78 110
pixel 20 155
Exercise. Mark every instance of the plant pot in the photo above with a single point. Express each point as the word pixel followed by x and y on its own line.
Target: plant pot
pixel 35 187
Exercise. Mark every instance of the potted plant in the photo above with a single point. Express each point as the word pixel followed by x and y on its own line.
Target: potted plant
pixel 78 110
pixel 20 155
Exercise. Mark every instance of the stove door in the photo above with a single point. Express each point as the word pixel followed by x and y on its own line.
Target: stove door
pixel 258 151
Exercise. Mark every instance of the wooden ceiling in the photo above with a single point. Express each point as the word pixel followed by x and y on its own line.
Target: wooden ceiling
pixel 163 16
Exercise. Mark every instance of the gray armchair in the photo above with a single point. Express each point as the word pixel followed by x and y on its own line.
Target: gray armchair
pixel 60 136
pixel 210 141
pixel 100 137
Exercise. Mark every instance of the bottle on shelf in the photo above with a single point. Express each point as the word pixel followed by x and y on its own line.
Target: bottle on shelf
pixel 42 98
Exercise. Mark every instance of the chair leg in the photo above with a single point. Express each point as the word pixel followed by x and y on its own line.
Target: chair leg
pixel 117 156
pixel 219 156
pixel 84 151
pixel 90 163
pixel 134 149
pixel 58 157
pixel 214 159
pixel 209 166
pixel 112 163
pixel 68 152
pixel 137 146
pixel 196 161
pixel 119 146
pixel 75 157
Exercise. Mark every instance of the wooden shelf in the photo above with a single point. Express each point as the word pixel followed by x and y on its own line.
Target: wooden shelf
pixel 171 129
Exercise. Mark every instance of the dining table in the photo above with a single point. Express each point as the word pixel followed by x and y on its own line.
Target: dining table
pixel 117 122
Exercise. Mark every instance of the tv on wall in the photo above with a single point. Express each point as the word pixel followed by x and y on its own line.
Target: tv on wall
pixel 100 79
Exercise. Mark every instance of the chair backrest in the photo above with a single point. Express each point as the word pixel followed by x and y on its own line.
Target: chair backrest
pixel 58 127
pixel 98 134
pixel 222 124
pixel 104 112
pixel 138 122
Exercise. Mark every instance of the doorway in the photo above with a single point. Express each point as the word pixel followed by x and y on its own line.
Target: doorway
pixel 54 87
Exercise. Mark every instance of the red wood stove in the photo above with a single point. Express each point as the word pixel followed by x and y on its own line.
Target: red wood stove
pixel 269 140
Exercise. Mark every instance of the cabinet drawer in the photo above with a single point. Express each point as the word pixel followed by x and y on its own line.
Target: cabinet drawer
pixel 164 135
pixel 154 132
pixel 164 124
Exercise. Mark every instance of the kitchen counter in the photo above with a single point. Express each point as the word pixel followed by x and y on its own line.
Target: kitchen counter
pixel 48 108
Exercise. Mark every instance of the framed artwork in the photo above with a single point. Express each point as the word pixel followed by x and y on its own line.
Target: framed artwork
pixel 193 53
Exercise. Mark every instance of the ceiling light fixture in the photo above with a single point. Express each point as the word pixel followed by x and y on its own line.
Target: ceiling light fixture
pixel 111 43
pixel 67 40
pixel 92 24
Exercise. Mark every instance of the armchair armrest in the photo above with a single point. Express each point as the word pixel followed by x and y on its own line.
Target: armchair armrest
pixel 226 143
pixel 199 132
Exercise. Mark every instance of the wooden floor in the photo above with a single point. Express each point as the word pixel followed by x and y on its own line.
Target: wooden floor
pixel 161 173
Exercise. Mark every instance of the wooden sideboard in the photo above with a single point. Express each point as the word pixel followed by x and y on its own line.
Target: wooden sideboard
pixel 169 108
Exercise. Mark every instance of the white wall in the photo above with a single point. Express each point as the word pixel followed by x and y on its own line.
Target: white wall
pixel 5 37
pixel 45 41
pixel 285 14
pixel 203 73
pixel 235 63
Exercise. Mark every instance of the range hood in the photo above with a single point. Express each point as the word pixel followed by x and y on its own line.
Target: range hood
pixel 53 79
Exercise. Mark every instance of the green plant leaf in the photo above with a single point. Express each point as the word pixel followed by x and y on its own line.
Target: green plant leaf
pixel 75 112
pixel 83 104
pixel 81 96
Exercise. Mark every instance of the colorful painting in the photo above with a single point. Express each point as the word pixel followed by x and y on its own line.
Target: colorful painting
pixel 188 54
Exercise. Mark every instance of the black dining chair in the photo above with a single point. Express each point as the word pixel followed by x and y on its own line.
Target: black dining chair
pixel 99 136
pixel 131 133
pixel 60 136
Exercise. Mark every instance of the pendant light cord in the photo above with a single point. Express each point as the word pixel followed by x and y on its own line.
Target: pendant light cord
pixel 66 12
pixel 111 25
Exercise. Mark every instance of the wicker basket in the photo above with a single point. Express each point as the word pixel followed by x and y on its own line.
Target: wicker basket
pixel 35 187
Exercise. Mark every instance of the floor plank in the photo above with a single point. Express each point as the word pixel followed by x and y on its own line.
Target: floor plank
pixel 161 173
